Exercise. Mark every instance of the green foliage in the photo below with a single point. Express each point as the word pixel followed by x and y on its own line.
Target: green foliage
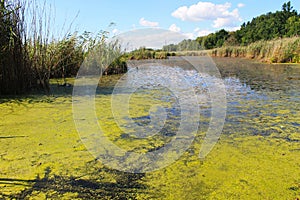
pixel 214 40
pixel 146 53
pixel 284 23
pixel 67 57
pixel 293 26
pixel 273 51
pixel 211 41
pixel 272 37
pixel 98 54
pixel 185 45
pixel 30 56
pixel 118 66
pixel 15 74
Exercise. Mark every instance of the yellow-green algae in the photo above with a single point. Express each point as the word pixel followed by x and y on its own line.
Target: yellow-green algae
pixel 257 157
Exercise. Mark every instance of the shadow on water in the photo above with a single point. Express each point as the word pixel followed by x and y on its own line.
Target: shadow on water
pixel 248 113
pixel 105 87
pixel 258 76
pixel 13 137
pixel 125 186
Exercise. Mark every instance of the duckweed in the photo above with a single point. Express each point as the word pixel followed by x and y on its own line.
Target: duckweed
pixel 257 156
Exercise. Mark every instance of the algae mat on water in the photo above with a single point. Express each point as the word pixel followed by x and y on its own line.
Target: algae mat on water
pixel 257 156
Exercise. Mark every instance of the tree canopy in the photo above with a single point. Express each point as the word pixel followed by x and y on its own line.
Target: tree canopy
pixel 279 24
pixel 284 23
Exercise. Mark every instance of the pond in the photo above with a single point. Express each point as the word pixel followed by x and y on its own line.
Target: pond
pixel 44 154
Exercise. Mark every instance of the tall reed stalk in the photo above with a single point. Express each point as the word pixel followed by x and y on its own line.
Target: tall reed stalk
pixel 275 51
pixel 30 55
pixel 16 75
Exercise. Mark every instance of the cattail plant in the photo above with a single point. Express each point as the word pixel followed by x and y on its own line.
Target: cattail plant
pixel 30 55
pixel 16 75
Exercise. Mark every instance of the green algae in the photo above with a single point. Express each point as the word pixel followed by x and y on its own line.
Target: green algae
pixel 257 156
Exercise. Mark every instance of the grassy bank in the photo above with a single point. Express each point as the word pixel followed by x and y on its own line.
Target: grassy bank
pixel 146 53
pixel 286 50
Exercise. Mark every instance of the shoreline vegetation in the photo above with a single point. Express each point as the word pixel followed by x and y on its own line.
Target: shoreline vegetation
pixel 284 50
pixel 272 37
pixel 276 51
pixel 44 157
pixel 32 54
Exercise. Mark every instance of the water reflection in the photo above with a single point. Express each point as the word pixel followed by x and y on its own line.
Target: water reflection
pixel 257 155
pixel 260 76
pixel 261 129
pixel 255 91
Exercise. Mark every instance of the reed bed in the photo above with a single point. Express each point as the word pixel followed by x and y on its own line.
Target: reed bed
pixel 283 50
pixel 31 54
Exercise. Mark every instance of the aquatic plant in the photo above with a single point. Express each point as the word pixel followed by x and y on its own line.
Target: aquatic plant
pixel 31 53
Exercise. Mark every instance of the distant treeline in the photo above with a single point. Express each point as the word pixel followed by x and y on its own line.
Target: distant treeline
pixel 280 24
pixel 185 45
pixel 30 55
pixel 146 53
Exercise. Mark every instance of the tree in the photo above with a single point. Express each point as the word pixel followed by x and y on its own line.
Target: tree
pixel 284 23
pixel 293 26
pixel 269 26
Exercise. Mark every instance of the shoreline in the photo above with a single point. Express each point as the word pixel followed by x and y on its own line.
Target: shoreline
pixel 231 57
pixel 277 51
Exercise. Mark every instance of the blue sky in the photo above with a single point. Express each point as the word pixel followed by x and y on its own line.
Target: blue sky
pixel 190 17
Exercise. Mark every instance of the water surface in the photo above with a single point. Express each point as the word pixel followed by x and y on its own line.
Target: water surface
pixel 256 157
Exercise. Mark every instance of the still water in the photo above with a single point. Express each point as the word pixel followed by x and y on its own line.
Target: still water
pixel 256 156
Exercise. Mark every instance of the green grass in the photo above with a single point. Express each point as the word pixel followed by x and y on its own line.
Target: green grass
pixel 285 50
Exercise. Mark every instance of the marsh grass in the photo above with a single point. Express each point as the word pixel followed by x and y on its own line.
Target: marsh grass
pixel 15 76
pixel 31 53
pixel 146 53
pixel 285 50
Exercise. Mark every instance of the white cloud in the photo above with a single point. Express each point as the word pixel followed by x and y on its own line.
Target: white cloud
pixel 234 28
pixel 115 31
pixel 197 29
pixel 240 5
pixel 200 32
pixel 189 35
pixel 218 13
pixel 181 13
pixel 197 33
pixel 174 28
pixel 229 21
pixel 147 23
pixel 222 22
pixel 150 37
